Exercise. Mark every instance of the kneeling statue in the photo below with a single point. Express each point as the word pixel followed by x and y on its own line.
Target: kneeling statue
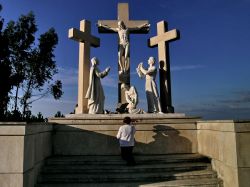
pixel 132 99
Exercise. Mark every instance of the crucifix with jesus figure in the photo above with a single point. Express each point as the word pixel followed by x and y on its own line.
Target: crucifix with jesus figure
pixel 123 26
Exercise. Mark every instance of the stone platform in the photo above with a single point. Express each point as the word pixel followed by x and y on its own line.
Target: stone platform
pixel 25 148
pixel 96 134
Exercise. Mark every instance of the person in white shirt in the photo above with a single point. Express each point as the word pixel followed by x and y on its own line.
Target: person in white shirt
pixel 126 136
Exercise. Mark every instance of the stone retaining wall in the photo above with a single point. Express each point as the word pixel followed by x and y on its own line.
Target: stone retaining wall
pixel 156 134
pixel 227 143
pixel 23 148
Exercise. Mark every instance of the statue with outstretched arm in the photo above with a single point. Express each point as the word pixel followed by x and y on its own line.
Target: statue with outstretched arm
pixel 123 49
pixel 95 93
pixel 152 95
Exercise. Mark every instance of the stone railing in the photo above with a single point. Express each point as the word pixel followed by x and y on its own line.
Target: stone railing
pixel 227 143
pixel 23 149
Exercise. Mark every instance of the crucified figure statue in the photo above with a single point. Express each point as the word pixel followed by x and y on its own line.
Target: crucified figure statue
pixel 123 51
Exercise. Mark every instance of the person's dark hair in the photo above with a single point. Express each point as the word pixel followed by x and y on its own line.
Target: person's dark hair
pixel 127 120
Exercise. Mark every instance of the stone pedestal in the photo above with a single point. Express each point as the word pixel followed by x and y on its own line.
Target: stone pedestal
pixel 96 134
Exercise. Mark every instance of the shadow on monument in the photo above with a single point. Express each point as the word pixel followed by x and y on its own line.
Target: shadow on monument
pixel 162 140
pixel 166 140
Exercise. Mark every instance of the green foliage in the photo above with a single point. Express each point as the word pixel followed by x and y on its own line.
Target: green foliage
pixel 38 118
pixel 26 69
pixel 17 116
pixel 59 115
pixel 5 71
pixel 56 89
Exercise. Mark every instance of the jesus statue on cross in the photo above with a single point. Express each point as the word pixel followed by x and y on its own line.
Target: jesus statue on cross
pixel 123 26
pixel 123 51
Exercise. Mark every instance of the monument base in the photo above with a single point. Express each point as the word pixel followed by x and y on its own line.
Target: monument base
pixel 82 110
pixel 167 109
pixel 86 134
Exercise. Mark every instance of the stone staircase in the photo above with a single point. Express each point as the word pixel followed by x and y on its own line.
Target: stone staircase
pixel 111 171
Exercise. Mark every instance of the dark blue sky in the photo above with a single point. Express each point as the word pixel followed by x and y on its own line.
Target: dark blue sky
pixel 209 65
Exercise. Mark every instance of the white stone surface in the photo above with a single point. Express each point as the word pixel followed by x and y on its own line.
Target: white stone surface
pixel 23 150
pixel 123 26
pixel 123 31
pixel 153 98
pixel 86 40
pixel 120 116
pixel 161 41
pixel 97 136
pixel 95 93
pixel 226 142
pixel 132 99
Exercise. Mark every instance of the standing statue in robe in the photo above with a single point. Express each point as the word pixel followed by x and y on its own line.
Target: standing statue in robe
pixel 152 95
pixel 132 99
pixel 123 50
pixel 95 93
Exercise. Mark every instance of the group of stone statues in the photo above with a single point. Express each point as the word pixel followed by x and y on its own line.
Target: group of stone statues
pixel 95 93
pixel 90 92
pixel 96 97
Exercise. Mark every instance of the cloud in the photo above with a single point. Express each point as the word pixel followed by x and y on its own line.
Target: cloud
pixel 110 81
pixel 69 76
pixel 238 98
pixel 180 68
pixel 243 96
pixel 236 106
pixel 49 106
pixel 187 67
pixel 214 111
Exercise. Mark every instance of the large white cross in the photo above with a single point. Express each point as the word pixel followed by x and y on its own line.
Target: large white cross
pixel 86 40
pixel 161 41
pixel 134 27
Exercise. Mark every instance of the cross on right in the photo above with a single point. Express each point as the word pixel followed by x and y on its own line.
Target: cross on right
pixel 161 40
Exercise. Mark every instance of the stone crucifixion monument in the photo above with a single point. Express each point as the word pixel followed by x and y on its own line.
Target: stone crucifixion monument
pixel 86 40
pixel 161 40
pixel 123 26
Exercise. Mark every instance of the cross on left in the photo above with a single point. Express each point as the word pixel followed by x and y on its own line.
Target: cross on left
pixel 86 40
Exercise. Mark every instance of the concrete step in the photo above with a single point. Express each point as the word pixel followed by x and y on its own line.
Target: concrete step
pixel 174 183
pixel 128 177
pixel 114 160
pixel 94 168
pixel 187 183
pixel 111 171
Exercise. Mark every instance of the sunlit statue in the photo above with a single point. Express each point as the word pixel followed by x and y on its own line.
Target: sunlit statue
pixel 123 33
pixel 95 93
pixel 152 95
pixel 131 97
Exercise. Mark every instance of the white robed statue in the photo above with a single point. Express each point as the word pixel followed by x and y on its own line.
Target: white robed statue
pixel 95 93
pixel 152 95
pixel 132 99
